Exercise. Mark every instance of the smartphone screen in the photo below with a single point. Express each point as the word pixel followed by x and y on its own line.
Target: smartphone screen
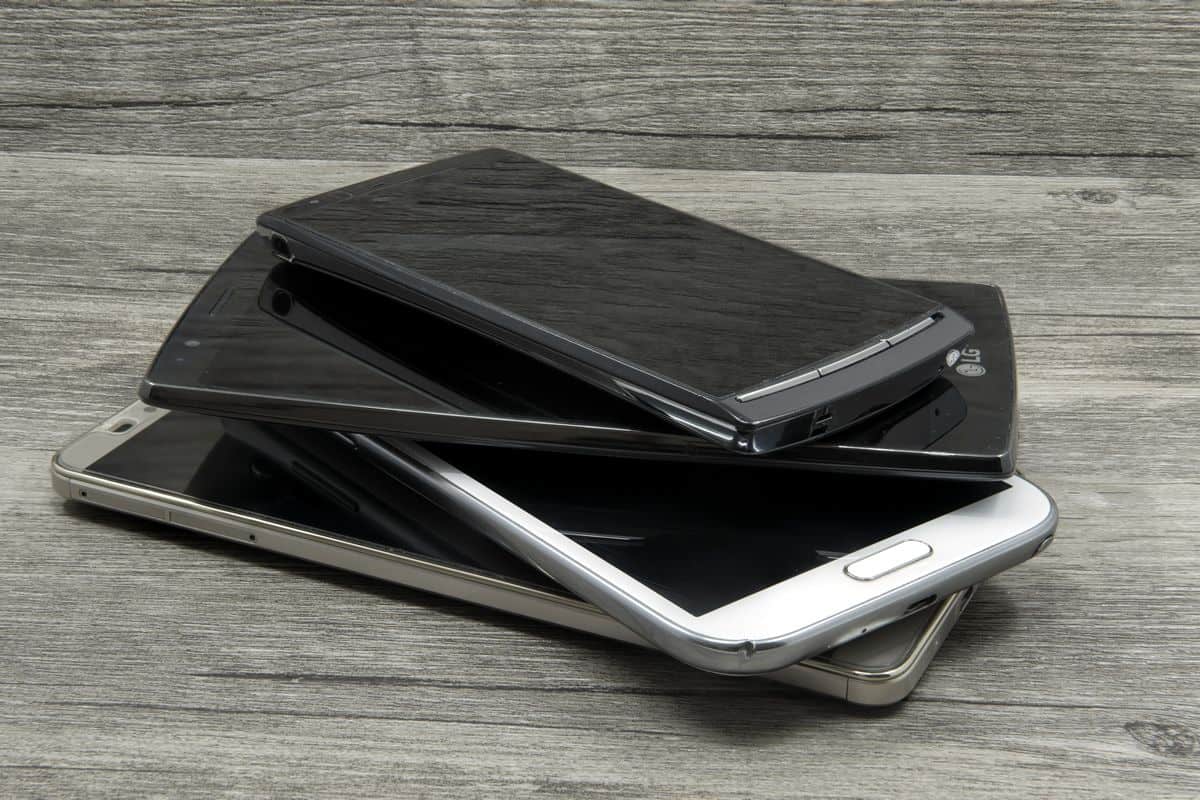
pixel 706 535
pixel 664 525
pixel 671 294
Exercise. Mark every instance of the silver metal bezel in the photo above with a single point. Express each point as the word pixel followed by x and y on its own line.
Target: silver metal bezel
pixel 779 625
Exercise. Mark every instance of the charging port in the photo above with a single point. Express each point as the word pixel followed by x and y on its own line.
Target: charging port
pixel 821 421
pixel 281 247
pixel 924 602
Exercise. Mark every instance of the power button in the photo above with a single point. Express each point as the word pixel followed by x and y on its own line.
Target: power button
pixel 879 564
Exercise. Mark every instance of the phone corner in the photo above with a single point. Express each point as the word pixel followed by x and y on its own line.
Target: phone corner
pixel 1006 463
pixel 149 392
pixel 1049 525
pixel 962 329
pixel 59 481
pixel 881 693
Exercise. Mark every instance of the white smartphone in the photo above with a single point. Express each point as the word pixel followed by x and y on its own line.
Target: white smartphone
pixel 783 565
pixel 304 496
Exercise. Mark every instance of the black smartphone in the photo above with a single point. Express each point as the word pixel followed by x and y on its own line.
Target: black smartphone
pixel 747 344
pixel 279 342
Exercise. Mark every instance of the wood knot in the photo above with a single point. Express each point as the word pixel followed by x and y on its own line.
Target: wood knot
pixel 1163 740
pixel 1100 197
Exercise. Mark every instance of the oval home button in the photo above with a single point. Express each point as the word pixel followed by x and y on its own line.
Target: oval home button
pixel 890 560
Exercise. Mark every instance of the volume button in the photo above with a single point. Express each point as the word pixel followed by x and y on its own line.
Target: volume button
pixel 910 331
pixel 854 358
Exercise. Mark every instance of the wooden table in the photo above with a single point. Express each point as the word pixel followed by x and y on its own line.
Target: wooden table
pixel 1049 150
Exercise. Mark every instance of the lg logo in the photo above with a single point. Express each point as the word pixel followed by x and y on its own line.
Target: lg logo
pixel 970 365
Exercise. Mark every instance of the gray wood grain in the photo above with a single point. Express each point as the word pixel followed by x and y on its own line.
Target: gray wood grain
pixel 1048 150
pixel 1093 89
pixel 138 658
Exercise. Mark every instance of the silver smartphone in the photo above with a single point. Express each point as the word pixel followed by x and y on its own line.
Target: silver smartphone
pixel 781 565
pixel 280 494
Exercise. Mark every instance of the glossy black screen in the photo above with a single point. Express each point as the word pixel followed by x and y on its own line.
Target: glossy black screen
pixel 291 475
pixel 672 294
pixel 293 344
pixel 705 535
pixel 672 527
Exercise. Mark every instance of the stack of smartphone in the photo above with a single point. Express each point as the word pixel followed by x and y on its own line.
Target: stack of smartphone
pixel 494 379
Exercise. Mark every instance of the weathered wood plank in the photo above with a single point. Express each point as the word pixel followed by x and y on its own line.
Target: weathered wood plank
pixel 1108 243
pixel 1033 88
pixel 140 659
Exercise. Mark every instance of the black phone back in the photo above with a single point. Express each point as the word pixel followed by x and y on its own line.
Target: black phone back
pixel 729 336
pixel 280 342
